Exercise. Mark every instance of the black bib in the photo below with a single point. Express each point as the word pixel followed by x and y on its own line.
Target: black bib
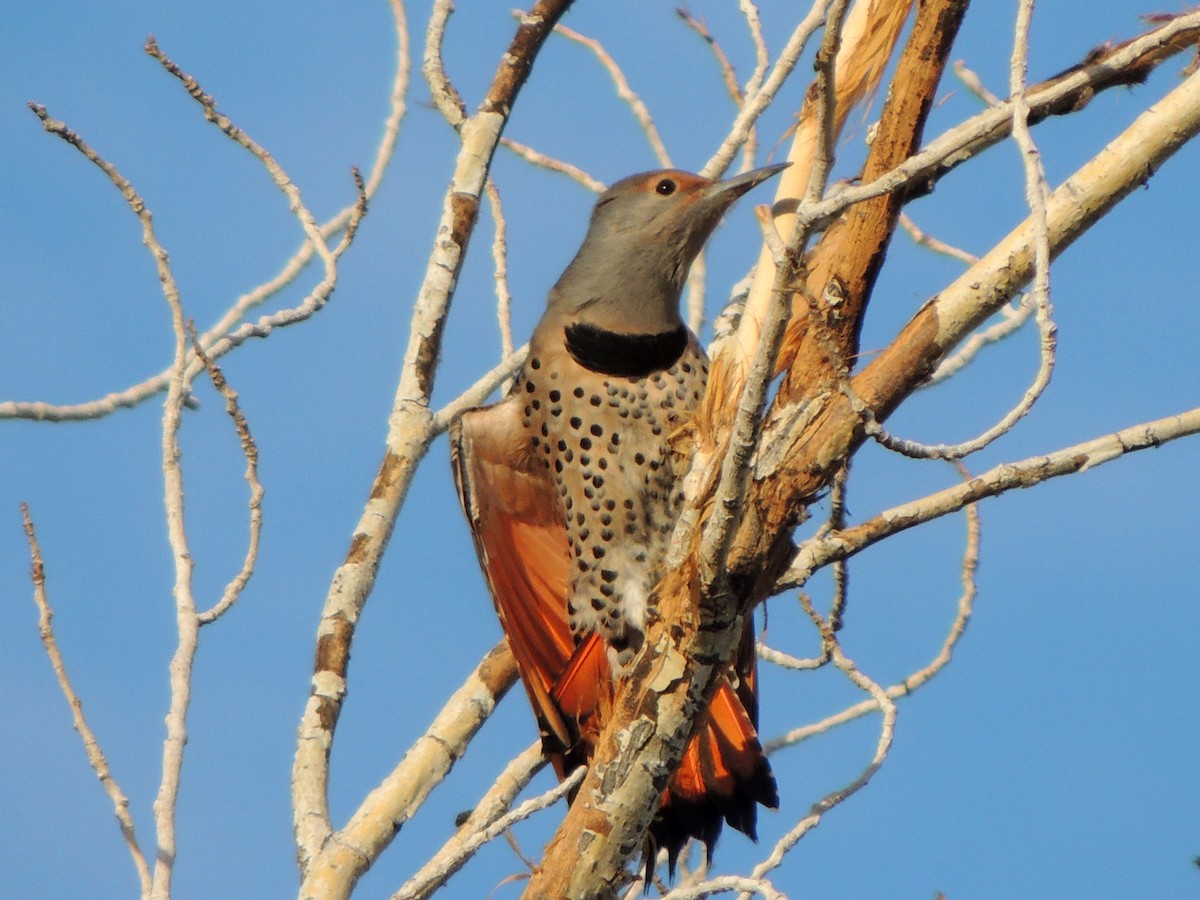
pixel 625 355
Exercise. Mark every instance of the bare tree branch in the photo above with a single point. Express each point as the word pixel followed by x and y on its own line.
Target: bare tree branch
pixel 410 430
pixel 233 590
pixel 499 826
pixel 462 845
pixel 533 157
pixel 479 391
pixel 348 852
pixel 728 76
pixel 500 269
pixel 91 745
pixel 445 96
pixel 219 339
pixel 187 621
pixel 958 627
pixel 624 91
pixel 973 83
pixel 757 100
pixel 881 701
pixel 1036 191
pixel 725 884
pixel 820 551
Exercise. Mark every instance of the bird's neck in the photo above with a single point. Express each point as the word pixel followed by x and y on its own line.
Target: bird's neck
pixel 616 308
pixel 623 289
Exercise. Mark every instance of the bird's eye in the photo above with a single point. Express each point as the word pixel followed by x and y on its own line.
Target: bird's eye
pixel 666 187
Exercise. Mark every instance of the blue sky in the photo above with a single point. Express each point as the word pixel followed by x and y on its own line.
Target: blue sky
pixel 1055 757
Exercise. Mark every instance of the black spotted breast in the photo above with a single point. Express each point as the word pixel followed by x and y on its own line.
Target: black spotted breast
pixel 606 436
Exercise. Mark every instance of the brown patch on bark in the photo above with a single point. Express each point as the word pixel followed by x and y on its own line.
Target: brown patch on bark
pixel 464 210
pixel 327 713
pixel 498 670
pixel 388 470
pixel 515 65
pixel 360 544
pixel 333 648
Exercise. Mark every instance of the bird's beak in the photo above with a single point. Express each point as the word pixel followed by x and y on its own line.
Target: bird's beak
pixel 732 188
pixel 709 204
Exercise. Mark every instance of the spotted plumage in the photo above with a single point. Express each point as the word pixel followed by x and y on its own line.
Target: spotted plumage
pixel 608 449
pixel 572 487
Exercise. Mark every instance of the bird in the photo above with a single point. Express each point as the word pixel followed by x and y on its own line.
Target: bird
pixel 572 485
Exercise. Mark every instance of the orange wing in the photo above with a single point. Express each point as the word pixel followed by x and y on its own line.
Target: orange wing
pixel 521 540
pixel 522 546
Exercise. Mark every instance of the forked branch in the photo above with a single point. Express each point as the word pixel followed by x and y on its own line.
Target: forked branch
pixel 329 863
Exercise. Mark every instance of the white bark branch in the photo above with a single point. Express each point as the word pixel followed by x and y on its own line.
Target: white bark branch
pixel 91 744
pixel 461 847
pixel 220 338
pixel 409 433
pixel 820 551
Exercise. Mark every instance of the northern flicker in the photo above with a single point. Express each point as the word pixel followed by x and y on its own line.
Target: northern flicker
pixel 572 489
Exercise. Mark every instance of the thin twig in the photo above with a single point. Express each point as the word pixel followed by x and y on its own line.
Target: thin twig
pixel 285 184
pixel 495 803
pixel 820 551
pixel 697 290
pixel 479 391
pixel 217 340
pixel 1036 193
pixel 397 105
pixel 534 157
pixel 186 621
pixel 758 100
pixel 754 83
pixel 728 76
pixel 500 268
pixel 234 589
pixel 725 884
pixel 91 746
pixel 1012 317
pixel 924 239
pixel 515 846
pixel 762 58
pixel 881 700
pixel 974 83
pixel 827 101
pixel 445 96
pixel 965 607
pixel 507 821
pixel 788 661
pixel 635 103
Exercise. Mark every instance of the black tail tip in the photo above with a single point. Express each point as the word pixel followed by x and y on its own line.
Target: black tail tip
pixel 682 820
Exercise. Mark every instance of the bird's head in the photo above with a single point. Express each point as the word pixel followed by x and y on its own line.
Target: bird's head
pixel 645 231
